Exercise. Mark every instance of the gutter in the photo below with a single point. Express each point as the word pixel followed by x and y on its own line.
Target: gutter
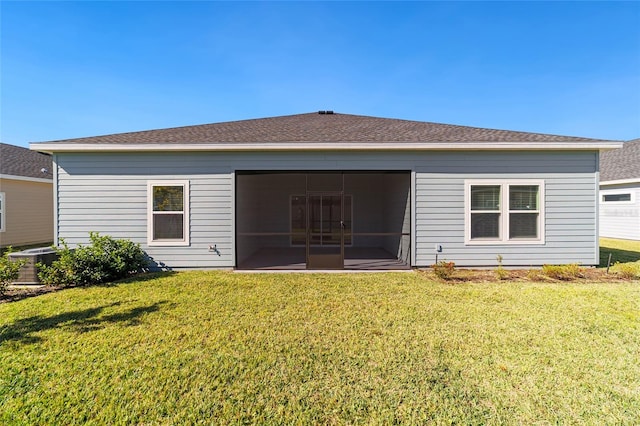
pixel 25 178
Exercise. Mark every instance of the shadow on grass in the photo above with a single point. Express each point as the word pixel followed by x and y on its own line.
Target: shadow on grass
pixel 79 321
pixel 622 256
pixel 17 294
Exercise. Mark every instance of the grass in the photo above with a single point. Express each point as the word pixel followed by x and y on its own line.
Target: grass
pixel 228 348
pixel 623 251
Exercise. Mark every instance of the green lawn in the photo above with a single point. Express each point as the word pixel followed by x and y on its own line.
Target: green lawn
pixel 228 348
pixel 623 251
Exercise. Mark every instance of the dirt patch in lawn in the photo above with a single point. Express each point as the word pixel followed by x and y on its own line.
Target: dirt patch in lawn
pixel 13 294
pixel 527 275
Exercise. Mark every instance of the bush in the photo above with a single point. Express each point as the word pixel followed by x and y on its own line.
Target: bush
pixel 444 270
pixel 627 270
pixel 563 272
pixel 106 259
pixel 9 269
pixel 534 274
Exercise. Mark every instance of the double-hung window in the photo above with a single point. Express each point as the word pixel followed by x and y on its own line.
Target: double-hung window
pixel 504 211
pixel 168 213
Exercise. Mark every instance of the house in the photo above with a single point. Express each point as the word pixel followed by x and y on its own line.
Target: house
pixel 620 192
pixel 331 191
pixel 26 197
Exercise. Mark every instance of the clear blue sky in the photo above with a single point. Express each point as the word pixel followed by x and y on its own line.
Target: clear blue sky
pixel 74 69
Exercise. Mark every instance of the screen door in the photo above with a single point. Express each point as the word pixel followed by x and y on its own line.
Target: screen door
pixel 325 230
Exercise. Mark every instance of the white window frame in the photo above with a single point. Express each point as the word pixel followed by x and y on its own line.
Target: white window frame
pixel 150 213
pixel 504 212
pixel 3 211
pixel 632 199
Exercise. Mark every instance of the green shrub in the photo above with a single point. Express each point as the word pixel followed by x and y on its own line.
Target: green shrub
pixel 9 269
pixel 563 272
pixel 444 270
pixel 106 259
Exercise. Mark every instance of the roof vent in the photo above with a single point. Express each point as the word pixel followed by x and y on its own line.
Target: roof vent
pixel 325 112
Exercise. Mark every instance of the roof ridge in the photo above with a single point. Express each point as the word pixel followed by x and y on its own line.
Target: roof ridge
pixel 315 127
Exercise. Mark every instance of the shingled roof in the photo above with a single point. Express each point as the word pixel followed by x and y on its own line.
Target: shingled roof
pixel 18 161
pixel 321 128
pixel 621 164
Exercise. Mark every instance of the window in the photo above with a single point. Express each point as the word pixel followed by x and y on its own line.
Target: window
pixel 2 209
pixel 168 213
pixel 616 198
pixel 500 212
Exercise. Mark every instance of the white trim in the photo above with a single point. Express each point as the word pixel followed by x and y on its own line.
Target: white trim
pixel 56 204
pixel 26 178
pixel 185 212
pixel 504 212
pixel 51 147
pixel 413 219
pixel 3 202
pixel 620 181
pixel 595 236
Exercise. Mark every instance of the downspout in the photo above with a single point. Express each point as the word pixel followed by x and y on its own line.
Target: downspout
pixel 412 221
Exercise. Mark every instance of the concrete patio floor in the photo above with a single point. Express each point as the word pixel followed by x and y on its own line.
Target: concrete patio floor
pixel 293 259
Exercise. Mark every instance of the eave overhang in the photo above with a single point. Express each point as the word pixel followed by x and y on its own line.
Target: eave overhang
pixel 57 147
pixel 25 178
pixel 620 182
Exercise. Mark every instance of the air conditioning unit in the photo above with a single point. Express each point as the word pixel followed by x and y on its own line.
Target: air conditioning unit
pixel 29 271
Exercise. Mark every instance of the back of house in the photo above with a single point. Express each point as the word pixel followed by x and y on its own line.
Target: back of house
pixel 333 191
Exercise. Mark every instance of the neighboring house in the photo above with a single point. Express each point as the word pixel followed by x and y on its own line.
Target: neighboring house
pixel 324 190
pixel 620 192
pixel 26 197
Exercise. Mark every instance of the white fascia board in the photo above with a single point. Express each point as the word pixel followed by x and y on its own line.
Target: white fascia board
pixel 52 147
pixel 26 178
pixel 620 181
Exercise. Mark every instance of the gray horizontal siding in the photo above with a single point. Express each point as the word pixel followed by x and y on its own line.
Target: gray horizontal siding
pixel 570 200
pixel 107 192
